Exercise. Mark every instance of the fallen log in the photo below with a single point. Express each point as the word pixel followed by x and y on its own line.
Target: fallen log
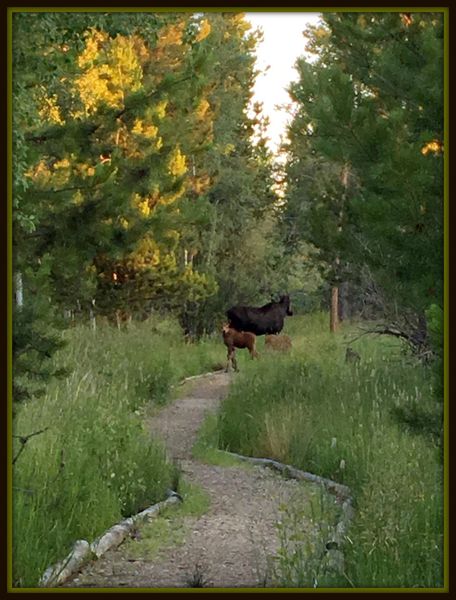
pixel 340 490
pixel 200 376
pixel 82 551
pixel 60 572
pixel 335 557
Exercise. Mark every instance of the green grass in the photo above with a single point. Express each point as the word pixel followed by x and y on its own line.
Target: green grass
pixel 170 527
pixel 375 427
pixel 206 447
pixel 96 463
pixel 303 560
pixel 341 421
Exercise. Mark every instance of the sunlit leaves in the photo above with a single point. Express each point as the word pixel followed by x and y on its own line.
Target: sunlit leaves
pixel 110 69
pixel 142 134
pixel 204 30
pixel 177 163
pixel 434 147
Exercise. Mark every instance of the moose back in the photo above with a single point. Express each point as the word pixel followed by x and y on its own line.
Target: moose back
pixel 260 320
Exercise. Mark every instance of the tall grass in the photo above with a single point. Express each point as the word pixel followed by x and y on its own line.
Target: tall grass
pixel 95 463
pixel 303 559
pixel 314 411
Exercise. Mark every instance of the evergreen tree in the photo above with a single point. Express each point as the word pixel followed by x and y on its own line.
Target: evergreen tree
pixel 137 185
pixel 371 106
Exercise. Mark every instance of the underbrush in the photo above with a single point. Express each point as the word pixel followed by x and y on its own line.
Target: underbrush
pixel 344 421
pixel 94 463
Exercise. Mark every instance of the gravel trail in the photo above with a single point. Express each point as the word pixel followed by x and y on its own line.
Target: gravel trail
pixel 234 543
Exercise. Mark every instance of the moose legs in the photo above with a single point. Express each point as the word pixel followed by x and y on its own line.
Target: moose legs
pixel 231 356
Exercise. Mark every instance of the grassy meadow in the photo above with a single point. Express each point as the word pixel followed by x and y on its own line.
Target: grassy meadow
pixel 95 462
pixel 374 426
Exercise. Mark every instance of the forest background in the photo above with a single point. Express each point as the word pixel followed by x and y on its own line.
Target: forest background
pixel 143 183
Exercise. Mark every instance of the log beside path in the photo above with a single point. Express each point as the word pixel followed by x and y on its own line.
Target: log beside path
pixel 83 551
pixel 235 543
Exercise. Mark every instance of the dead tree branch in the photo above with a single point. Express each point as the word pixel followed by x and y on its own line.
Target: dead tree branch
pixel 24 439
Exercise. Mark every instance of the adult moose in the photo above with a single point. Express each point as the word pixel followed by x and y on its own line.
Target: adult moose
pixel 260 320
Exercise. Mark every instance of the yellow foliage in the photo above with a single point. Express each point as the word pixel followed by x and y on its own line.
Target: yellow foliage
pixel 140 48
pixel 94 41
pixel 204 31
pixel 169 261
pixel 321 33
pixel 146 254
pixel 177 163
pixel 50 111
pixel 199 285
pixel 241 24
pixel 42 174
pixel 62 164
pixel 146 204
pixel 144 208
pixel 202 107
pixel 123 221
pixel 160 109
pixel 142 204
pixel 111 68
pixel 137 126
pixel 141 128
pixel 434 146
pixel 228 149
pixel 173 234
pixel 172 196
pixel 200 184
pixel 170 34
pixel 78 198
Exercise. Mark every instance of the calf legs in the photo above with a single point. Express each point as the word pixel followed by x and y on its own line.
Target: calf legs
pixel 231 356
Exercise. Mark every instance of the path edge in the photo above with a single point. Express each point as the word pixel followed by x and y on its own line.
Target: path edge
pixel 343 498
pixel 83 551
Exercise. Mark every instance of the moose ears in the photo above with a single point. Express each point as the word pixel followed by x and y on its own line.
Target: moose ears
pixel 282 298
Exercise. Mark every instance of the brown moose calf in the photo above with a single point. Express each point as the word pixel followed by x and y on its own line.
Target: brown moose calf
pixel 281 343
pixel 237 339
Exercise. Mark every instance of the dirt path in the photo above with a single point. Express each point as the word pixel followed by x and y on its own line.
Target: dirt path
pixel 233 543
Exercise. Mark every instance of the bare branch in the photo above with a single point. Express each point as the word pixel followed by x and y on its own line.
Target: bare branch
pixel 24 439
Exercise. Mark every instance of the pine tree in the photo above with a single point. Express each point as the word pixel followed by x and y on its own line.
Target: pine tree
pixel 136 158
pixel 372 103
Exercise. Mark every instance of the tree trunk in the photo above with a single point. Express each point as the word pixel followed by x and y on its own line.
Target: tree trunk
pixel 93 320
pixel 343 309
pixel 19 290
pixel 334 315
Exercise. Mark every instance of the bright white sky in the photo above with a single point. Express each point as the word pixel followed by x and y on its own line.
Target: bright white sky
pixel 282 44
